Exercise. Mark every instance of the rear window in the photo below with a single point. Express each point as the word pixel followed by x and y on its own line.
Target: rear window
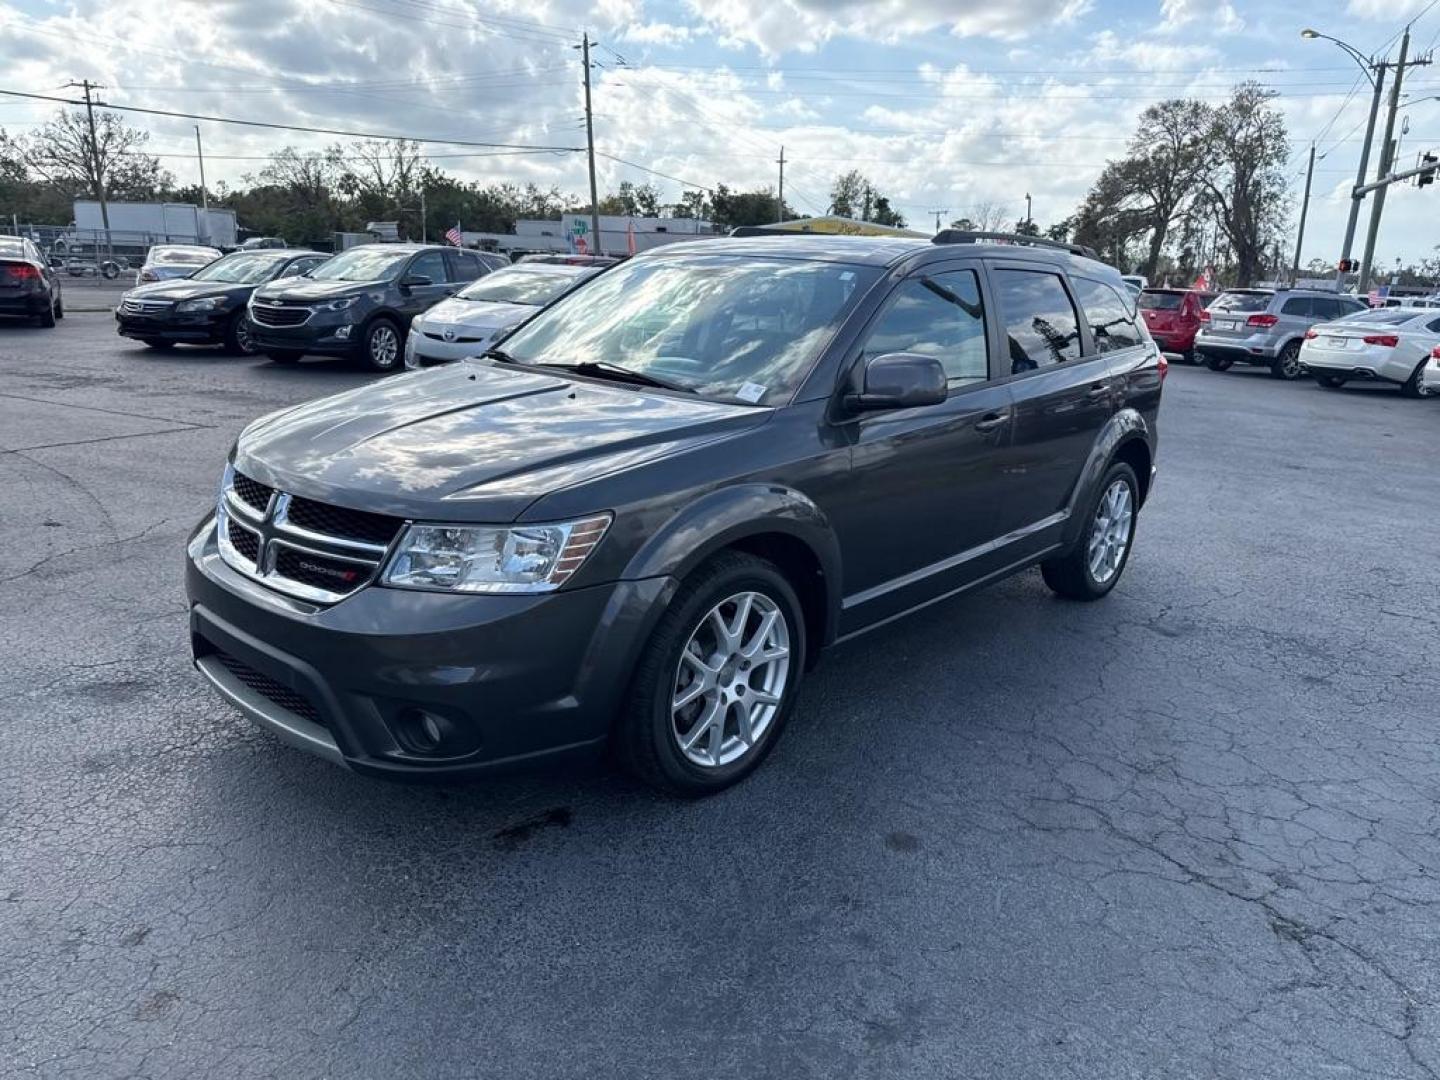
pixel 1161 301
pixel 1384 316
pixel 1242 301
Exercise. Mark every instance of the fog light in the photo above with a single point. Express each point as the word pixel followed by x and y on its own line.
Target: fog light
pixel 423 732
pixel 342 332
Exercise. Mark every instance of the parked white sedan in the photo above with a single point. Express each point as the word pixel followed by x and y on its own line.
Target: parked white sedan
pixel 470 322
pixel 1430 374
pixel 1388 344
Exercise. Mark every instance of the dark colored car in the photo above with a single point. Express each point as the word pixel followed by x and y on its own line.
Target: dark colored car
pixel 360 303
pixel 209 307
pixel 1173 317
pixel 29 285
pixel 641 522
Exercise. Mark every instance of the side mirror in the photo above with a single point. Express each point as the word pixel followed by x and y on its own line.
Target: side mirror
pixel 415 281
pixel 899 381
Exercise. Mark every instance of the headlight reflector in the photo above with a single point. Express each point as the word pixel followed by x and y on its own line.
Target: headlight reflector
pixel 493 559
pixel 210 303
pixel 337 305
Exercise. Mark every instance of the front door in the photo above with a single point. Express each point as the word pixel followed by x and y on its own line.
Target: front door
pixel 415 299
pixel 925 482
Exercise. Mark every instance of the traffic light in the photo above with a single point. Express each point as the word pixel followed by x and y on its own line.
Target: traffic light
pixel 1428 176
pixel 1347 266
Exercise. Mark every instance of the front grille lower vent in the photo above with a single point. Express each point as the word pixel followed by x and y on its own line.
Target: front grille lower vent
pixel 275 692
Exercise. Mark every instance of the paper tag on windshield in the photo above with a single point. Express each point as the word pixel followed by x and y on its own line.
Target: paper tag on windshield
pixel 751 392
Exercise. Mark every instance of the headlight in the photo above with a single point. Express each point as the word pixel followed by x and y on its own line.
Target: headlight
pixel 208 304
pixel 490 559
pixel 337 305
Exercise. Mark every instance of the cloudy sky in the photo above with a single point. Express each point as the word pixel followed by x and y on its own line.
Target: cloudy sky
pixel 947 104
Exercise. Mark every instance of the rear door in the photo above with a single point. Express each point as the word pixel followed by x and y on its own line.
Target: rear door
pixel 1063 392
pixel 928 481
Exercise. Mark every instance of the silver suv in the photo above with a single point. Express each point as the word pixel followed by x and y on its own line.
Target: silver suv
pixel 1266 326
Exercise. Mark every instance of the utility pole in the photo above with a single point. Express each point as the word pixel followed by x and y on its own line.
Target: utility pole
pixel 1387 154
pixel 1356 198
pixel 88 86
pixel 1304 211
pixel 1029 218
pixel 590 148
pixel 780 202
pixel 424 229
pixel 200 154
pixel 938 214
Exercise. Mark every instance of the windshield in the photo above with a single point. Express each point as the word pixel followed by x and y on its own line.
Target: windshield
pixel 239 269
pixel 1161 301
pixel 1385 316
pixel 1242 301
pixel 737 329
pixel 183 256
pixel 361 264
pixel 515 286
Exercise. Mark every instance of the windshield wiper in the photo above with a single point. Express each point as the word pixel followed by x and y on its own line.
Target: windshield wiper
pixel 623 374
pixel 499 354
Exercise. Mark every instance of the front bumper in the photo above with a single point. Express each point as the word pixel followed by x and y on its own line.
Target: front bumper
pixel 199 328
pixel 420 349
pixel 508 678
pixel 325 332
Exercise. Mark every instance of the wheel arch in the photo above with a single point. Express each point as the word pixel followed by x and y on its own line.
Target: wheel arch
pixel 1127 437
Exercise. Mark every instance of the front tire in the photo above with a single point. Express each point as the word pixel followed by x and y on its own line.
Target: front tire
pixel 238 337
pixel 1093 566
pixel 1218 363
pixel 1287 364
pixel 382 346
pixel 717 680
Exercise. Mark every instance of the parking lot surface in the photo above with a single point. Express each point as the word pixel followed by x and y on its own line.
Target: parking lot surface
pixel 1189 831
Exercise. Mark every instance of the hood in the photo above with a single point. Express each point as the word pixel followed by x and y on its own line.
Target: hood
pixel 303 289
pixel 475 315
pixel 186 289
pixel 474 441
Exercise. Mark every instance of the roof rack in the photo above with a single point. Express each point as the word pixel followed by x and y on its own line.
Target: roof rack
pixel 966 236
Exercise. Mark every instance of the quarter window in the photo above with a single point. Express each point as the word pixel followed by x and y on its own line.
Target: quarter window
pixel 1041 327
pixel 1298 306
pixel 1108 315
pixel 941 315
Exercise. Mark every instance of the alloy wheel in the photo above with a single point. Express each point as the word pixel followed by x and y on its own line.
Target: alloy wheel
pixel 731 678
pixel 244 339
pixel 1290 363
pixel 384 346
pixel 1110 532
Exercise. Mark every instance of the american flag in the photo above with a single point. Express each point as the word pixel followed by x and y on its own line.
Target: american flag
pixel 453 235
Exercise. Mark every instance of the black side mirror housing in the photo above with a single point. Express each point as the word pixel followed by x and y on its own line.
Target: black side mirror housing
pixel 416 281
pixel 899 381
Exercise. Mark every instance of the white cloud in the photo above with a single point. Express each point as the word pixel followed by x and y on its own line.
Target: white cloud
pixel 658 33
pixel 779 26
pixel 1216 18
pixel 1392 11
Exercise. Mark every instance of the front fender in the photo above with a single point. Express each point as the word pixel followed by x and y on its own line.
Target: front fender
pixel 1127 424
pixel 727 516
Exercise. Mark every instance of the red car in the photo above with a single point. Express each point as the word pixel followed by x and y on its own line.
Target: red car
pixel 1172 317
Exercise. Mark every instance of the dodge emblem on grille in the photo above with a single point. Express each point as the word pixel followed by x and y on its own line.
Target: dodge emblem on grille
pixel 328 571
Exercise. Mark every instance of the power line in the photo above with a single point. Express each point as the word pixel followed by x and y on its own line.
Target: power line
pixel 296 127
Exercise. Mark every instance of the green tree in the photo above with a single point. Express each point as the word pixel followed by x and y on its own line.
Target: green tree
pixel 1245 188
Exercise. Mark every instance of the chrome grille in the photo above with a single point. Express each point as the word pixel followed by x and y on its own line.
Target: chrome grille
pixel 145 307
pixel 272 313
pixel 307 549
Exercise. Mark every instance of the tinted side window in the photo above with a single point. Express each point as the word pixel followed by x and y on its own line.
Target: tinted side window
pixel 431 265
pixel 466 266
pixel 1040 323
pixel 941 315
pixel 1108 315
pixel 1433 326
pixel 1298 306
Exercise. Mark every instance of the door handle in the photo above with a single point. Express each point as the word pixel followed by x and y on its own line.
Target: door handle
pixel 1099 390
pixel 990 421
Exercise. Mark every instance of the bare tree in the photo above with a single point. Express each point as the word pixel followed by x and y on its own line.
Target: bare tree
pixel 989 216
pixel 386 170
pixel 62 152
pixel 1167 159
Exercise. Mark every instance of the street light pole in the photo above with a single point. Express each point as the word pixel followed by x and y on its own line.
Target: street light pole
pixel 1387 150
pixel 1353 221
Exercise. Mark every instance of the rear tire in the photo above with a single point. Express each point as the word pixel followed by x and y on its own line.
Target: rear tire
pixel 59 308
pixel 46 319
pixel 1330 382
pixel 1218 363
pixel 1411 387
pixel 1287 365
pixel 686 654
pixel 1093 566
pixel 283 356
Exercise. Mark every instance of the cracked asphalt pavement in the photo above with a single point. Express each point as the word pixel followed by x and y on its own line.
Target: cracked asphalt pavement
pixel 1190 831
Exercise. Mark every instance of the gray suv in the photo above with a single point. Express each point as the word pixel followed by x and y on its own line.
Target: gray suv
pixel 1266 327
